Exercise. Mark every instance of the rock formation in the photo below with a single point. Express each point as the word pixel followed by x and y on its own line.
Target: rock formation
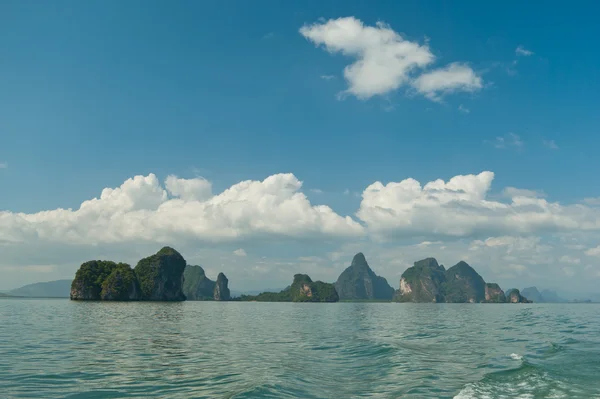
pixel 303 289
pixel 463 284
pixel 359 282
pixel 156 278
pixel 161 276
pixel 422 282
pixel 514 296
pixel 196 286
pixel 494 294
pixel 221 290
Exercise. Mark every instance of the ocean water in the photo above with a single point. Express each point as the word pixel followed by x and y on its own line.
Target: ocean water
pixel 63 349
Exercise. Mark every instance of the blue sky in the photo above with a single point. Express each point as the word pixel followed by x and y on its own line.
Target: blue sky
pixel 94 93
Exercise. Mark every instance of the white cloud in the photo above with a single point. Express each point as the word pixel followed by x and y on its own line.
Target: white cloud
pixel 550 144
pixel 592 201
pixel 510 140
pixel 522 51
pixel 240 252
pixel 3 165
pixel 140 209
pixel 327 77
pixel 346 192
pixel 570 260
pixel 593 251
pixel 463 109
pixel 454 77
pixel 384 60
pixel 316 190
pixel 461 208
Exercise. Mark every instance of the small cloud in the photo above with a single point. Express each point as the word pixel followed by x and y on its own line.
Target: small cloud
pixel 346 192
pixel 240 252
pixel 522 51
pixel 568 271
pixel 593 251
pixel 463 109
pixel 269 35
pixel 570 260
pixel 507 141
pixel 3 165
pixel 327 77
pixel 550 144
pixel 316 191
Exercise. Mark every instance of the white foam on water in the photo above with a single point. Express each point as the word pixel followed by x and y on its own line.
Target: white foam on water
pixel 515 356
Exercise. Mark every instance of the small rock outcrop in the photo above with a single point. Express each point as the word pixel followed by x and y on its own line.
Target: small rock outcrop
pixel 196 286
pixel 463 284
pixel 422 282
pixel 161 276
pixel 514 296
pixel 494 294
pixel 359 282
pixel 221 290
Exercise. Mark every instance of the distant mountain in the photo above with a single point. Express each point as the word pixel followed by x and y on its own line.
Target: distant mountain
pixel 50 289
pixel 358 282
pixel 2 294
pixel 546 296
pixel 532 294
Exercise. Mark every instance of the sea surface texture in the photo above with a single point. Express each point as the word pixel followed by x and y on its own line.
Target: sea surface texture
pixel 63 349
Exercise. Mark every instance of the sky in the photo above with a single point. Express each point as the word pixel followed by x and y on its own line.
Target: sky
pixel 268 138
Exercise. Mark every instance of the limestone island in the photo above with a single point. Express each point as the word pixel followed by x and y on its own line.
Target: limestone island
pixel 165 276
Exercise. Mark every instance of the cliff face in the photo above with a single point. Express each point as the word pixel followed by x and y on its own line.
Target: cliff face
pixel 161 276
pixel 221 290
pixel 196 286
pixel 358 281
pixel 494 294
pixel 422 282
pixel 463 284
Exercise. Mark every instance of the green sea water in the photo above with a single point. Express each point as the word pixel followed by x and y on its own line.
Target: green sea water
pixel 63 349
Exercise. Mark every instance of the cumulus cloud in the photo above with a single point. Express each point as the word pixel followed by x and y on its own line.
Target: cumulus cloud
pixel 520 50
pixel 384 60
pixel 454 77
pixel 141 209
pixel 511 192
pixel 461 208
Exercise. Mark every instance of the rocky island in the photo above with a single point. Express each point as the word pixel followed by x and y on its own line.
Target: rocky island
pixel 359 282
pixel 303 289
pixel 427 281
pixel 156 278
pixel 198 287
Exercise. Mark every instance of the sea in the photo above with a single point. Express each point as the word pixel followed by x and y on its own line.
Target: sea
pixel 56 348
